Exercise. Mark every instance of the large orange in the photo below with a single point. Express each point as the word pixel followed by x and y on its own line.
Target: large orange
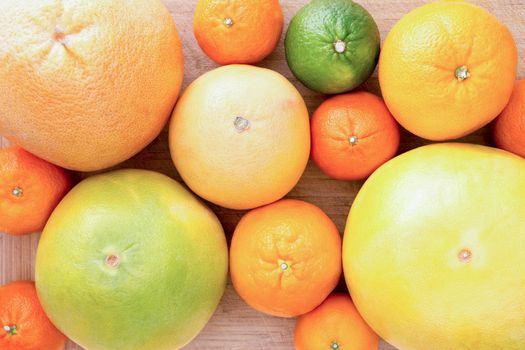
pixel 433 249
pixel 30 189
pixel 285 258
pixel 86 85
pixel 352 135
pixel 334 325
pixel 238 31
pixel 240 136
pixel 24 325
pixel 509 128
pixel 447 69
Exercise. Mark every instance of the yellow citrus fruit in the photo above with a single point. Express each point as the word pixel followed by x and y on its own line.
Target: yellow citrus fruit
pixel 447 69
pixel 240 136
pixel 433 249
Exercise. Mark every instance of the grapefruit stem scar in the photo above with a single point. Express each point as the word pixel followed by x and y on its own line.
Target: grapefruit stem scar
pixel 241 124
pixel 465 255
pixel 334 345
pixel 462 73
pixel 113 261
pixel 59 36
pixel 228 22
pixel 354 140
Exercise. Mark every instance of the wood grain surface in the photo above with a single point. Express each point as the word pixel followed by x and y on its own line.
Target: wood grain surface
pixel 235 326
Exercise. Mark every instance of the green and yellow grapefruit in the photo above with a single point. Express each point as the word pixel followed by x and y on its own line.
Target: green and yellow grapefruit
pixel 131 260
pixel 434 249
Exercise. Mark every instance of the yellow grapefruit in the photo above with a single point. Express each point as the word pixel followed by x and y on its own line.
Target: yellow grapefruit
pixel 240 136
pixel 434 249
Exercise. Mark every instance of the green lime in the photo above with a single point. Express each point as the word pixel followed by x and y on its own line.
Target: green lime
pixel 332 46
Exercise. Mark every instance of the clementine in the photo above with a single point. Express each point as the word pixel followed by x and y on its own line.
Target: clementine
pixel 447 69
pixel 334 325
pixel 238 31
pixel 24 324
pixel 30 188
pixel 352 135
pixel 285 258
pixel 509 128
pixel 240 136
pixel 87 85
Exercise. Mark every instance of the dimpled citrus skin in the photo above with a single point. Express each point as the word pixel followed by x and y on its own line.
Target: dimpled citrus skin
pixel 433 249
pixel 173 263
pixel 333 325
pixel 295 233
pixel 19 307
pixel 509 127
pixel 418 63
pixel 359 116
pixel 41 186
pixel 254 32
pixel 310 50
pixel 250 167
pixel 87 84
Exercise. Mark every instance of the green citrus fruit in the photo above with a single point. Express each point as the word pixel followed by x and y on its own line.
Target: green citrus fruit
pixel 131 260
pixel 434 249
pixel 332 46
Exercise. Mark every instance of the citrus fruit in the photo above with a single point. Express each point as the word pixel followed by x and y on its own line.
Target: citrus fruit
pixel 352 135
pixel 30 188
pixel 86 86
pixel 131 260
pixel 332 46
pixel 509 128
pixel 238 31
pixel 240 136
pixel 24 325
pixel 285 258
pixel 334 325
pixel 439 65
pixel 433 249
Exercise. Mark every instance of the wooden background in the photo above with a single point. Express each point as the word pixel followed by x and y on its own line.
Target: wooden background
pixel 235 326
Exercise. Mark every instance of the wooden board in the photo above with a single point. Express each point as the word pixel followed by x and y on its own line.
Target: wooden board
pixel 235 326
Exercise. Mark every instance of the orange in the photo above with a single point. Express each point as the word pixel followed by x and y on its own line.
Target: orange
pixel 447 69
pixel 509 128
pixel 24 325
pixel 334 325
pixel 352 135
pixel 30 188
pixel 238 31
pixel 86 86
pixel 285 258
pixel 433 249
pixel 240 136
